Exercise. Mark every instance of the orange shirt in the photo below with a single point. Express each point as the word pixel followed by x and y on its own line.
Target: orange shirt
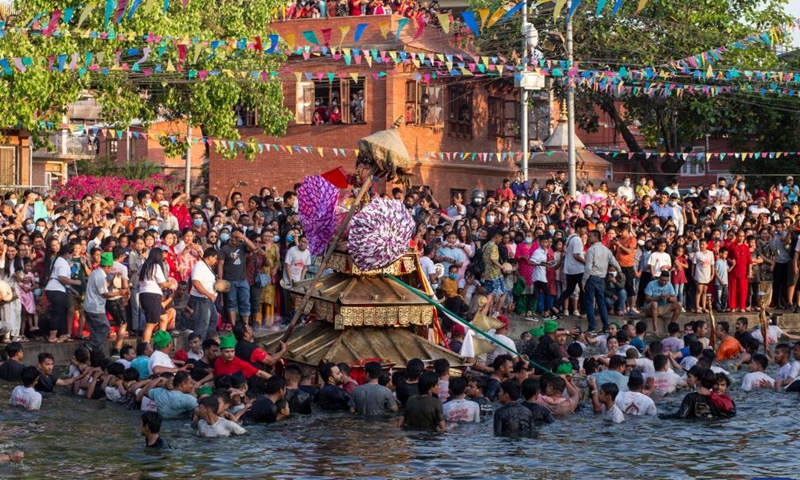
pixel 626 259
pixel 729 348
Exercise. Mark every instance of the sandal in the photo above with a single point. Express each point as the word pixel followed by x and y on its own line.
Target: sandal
pixel 57 340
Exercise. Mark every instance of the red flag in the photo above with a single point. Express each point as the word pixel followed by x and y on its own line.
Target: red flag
pixel 337 177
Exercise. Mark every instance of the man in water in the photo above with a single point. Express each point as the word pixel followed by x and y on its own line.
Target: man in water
pixel 424 411
pixel 698 404
pixel 11 369
pixel 788 371
pixel 371 398
pixel 512 418
pixel 150 428
pixel 332 396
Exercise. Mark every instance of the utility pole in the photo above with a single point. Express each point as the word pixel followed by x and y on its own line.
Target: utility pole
pixel 188 179
pixel 572 170
pixel 523 93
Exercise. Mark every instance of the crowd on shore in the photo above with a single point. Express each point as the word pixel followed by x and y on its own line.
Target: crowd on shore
pixel 149 265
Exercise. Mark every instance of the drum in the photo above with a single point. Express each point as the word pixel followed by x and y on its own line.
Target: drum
pixel 222 286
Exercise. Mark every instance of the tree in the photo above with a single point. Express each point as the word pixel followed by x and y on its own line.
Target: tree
pixel 663 32
pixel 41 95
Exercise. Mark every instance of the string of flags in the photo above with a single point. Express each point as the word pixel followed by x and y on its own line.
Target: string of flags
pixel 697 157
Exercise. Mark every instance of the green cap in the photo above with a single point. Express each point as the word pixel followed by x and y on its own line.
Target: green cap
pixel 564 369
pixel 228 341
pixel 205 390
pixel 537 332
pixel 107 259
pixel 550 326
pixel 616 325
pixel 161 339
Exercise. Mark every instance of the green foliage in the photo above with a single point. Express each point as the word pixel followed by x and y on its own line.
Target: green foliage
pixel 40 95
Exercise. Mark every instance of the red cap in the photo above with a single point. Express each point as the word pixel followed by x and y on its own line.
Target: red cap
pixel 181 355
pixel 503 319
pixel 458 330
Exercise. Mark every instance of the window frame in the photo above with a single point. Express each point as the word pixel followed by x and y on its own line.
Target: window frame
pixel 692 167
pixel 460 96
pixel 415 91
pixel 308 92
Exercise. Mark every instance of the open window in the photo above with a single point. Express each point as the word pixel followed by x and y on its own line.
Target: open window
pixel 424 104
pixel 340 101
pixel 503 118
pixel 246 117
pixel 460 115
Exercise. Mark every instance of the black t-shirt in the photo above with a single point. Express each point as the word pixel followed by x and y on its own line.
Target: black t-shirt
pixel 492 388
pixel 159 443
pixel 540 413
pixel 11 371
pixel 46 383
pixel 313 391
pixel 485 404
pixel 262 410
pixel 423 412
pixel 513 419
pixel 406 390
pixel 299 401
pixel 332 397
pixel 235 262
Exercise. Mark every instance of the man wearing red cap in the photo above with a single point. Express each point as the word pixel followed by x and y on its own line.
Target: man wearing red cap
pixel 500 335
pixel 457 338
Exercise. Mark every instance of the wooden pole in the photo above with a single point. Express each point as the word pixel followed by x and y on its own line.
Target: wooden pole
pixel 331 248
pixel 762 319
pixel 713 327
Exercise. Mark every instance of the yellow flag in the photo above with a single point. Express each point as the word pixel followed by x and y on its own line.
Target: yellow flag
pixel 298 76
pixel 85 13
pixel 319 149
pixel 444 21
pixel 368 58
pixel 384 26
pixel 290 40
pixel 354 76
pixel 484 13
pixel 170 66
pixel 709 72
pixel 641 5
pixel 345 30
pixel 496 16
pixel 559 6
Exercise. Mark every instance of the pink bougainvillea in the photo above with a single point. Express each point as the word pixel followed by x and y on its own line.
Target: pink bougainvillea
pixel 116 187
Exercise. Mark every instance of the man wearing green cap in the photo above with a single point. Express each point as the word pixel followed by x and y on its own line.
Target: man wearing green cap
pixel 160 362
pixel 94 305
pixel 550 353
pixel 228 363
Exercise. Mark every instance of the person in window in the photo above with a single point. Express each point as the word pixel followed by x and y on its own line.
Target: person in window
pixel 335 117
pixel 318 119
pixel 409 113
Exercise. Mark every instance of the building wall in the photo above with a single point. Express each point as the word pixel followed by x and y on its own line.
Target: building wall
pixel 20 141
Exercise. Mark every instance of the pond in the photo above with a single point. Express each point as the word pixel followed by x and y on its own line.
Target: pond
pixel 78 438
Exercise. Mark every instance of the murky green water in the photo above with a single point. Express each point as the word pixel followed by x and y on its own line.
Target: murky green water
pixel 76 438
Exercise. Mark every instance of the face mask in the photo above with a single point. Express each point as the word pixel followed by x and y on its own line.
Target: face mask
pixel 615 218
pixel 576 210
pixel 552 232
pixel 613 274
pixel 210 205
pixel 477 201
pixel 40 228
pixel 224 237
pixel 641 243
pixel 528 240
pixel 490 219
pixel 741 187
pixel 453 276
pixel 627 183
pixel 153 228
pixel 37 292
pixel 671 203
pixel 289 238
pixel 692 191
pixel 504 209
pixel 30 227
pixel 276 238
pixel 129 203
pixel 522 204
pixel 197 222
pixel 587 212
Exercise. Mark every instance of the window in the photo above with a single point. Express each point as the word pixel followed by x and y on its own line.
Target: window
pixel 8 164
pixel 331 102
pixel 539 120
pixel 246 117
pixel 503 118
pixel 460 116
pixel 111 147
pixel 424 104
pixel 694 165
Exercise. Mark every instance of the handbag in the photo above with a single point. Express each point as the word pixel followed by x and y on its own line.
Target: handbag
pixel 262 280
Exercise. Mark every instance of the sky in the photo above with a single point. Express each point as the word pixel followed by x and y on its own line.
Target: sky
pixel 793 9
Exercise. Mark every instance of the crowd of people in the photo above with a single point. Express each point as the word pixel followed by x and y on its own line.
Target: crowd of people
pixel 153 264
pixel 426 12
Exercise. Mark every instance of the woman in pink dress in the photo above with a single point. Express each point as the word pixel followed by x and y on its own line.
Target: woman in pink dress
pixel 523 255
pixel 188 252
pixel 466 243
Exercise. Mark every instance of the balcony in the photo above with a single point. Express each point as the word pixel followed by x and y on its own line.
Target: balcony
pixel 67 147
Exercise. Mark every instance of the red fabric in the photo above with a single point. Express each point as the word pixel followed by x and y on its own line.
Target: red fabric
pixel 258 356
pixel 737 292
pixel 183 216
pixel 723 402
pixel 337 177
pixel 221 367
pixel 504 194
pixel 740 253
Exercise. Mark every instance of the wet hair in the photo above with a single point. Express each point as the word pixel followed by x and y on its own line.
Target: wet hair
pixel 616 361
pixel 500 360
pixel 384 379
pixel 784 348
pixel 622 336
pixel 557 383
pixel 610 389
pixel 511 389
pixel 414 369
pixel 751 345
pixel 659 362
pixel 479 382
pixel 631 354
pixel 82 354
pixel 193 336
pixel 655 348
pixel 725 326
pixel 721 377
pixel 326 371
pixel 211 403
pixel 457 386
pixel 695 348
pixel 529 388
pixel 130 374
pixel 293 370
pixel 709 354
pixel 641 328
pixel 760 359
pixel 152 420
pixel 373 370
pixel 275 384
pixel 281 404
pixel 141 348
pixel 708 378
pixel 13 348
pixel 575 350
pixel 590 366
pixel 180 378
pixel 673 328
pixel 441 366
pixel 344 368
pixel 115 369
pixel 29 375
pixel 222 382
pixel 208 343
pixel 427 381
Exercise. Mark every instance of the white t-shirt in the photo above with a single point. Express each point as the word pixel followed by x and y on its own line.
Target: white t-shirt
pixel 688 362
pixel 665 382
pixel 790 370
pixel 25 397
pixel 645 365
pixel 221 428
pixel 151 283
pixel 540 272
pixel 428 268
pixel 500 350
pixel 574 246
pixel 461 410
pixel 635 403
pixel 297 259
pixel 773 332
pixel 614 414
pixel 60 269
pixel 148 405
pixel 159 359
pixel 117 283
pixel 205 276
pixel 659 260
pixel 752 379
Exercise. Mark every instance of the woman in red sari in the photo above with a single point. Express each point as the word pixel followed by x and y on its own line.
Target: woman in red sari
pixel 523 256
pixel 188 252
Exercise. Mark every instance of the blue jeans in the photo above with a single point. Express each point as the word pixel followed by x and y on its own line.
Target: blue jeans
pixel 137 315
pixel 205 315
pixel 595 290
pixel 620 302
pixel 679 292
pixel 238 298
